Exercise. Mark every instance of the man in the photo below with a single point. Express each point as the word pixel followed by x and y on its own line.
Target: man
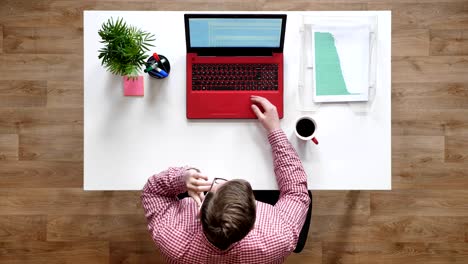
pixel 227 225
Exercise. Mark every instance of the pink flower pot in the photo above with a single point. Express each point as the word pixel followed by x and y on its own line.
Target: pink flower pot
pixel 133 87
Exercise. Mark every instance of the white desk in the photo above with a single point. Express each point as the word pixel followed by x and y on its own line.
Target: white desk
pixel 127 139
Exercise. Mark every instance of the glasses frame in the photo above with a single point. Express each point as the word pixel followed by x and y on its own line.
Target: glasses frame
pixel 215 180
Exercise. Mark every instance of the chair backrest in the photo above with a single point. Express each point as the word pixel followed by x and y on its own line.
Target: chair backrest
pixel 305 228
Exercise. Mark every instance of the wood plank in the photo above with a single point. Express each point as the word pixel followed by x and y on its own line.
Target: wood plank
pixel 8 123
pixel 430 95
pixel 416 229
pixel 142 252
pixel 390 253
pixel 181 5
pixel 97 228
pixel 422 89
pixel 65 94
pixel 426 127
pixel 438 15
pixel 50 40
pixel 67 147
pixel 429 69
pixel 41 174
pixel 456 149
pixel 312 253
pixel 43 13
pixel 68 201
pixel 20 252
pixel 410 42
pixel 449 42
pixel 385 228
pixel 42 121
pixel 417 149
pixel 339 228
pixel 51 121
pixel 16 11
pixel 278 5
pixel 432 176
pixel 16 67
pixel 8 147
pixel 41 67
pixel 420 203
pixel 21 228
pixel 1 39
pixel 340 203
pixel 410 121
pixel 23 93
pixel 56 13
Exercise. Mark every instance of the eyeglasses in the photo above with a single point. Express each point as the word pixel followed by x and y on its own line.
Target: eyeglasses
pixel 215 182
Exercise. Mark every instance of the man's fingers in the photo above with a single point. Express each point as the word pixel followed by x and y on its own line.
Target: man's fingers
pixel 200 176
pixel 201 183
pixel 257 111
pixel 203 188
pixel 196 188
pixel 202 196
pixel 256 99
pixel 262 101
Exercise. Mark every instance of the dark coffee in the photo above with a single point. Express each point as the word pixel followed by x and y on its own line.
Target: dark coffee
pixel 305 127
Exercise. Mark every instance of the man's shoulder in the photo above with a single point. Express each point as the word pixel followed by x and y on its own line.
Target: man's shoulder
pixel 268 221
pixel 180 221
pixel 267 245
pixel 176 239
pixel 177 242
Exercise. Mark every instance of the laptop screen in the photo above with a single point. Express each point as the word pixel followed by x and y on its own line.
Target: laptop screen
pixel 235 32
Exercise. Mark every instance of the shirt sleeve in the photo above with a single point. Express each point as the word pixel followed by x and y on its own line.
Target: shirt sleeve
pixel 294 199
pixel 160 194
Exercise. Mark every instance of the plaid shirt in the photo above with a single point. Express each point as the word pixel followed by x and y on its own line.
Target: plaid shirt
pixel 178 233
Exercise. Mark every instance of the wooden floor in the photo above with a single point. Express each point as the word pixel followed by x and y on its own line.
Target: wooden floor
pixel 46 217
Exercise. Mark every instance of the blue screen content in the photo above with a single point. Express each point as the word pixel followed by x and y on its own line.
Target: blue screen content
pixel 235 32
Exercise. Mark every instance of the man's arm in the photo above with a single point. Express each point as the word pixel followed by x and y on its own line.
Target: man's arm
pixel 161 191
pixel 290 175
pixel 164 210
pixel 294 200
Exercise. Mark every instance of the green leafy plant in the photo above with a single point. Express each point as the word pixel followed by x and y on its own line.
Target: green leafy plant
pixel 125 47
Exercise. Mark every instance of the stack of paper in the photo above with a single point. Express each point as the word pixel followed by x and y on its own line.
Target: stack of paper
pixel 341 62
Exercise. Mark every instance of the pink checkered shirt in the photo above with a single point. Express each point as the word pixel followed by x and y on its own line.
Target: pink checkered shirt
pixel 178 233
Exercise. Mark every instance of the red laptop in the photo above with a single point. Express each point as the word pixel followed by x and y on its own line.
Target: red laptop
pixel 229 58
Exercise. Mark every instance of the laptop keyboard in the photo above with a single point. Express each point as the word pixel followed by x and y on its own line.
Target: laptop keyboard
pixel 234 77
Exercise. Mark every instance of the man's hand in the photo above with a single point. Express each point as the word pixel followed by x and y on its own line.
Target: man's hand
pixel 196 183
pixel 269 118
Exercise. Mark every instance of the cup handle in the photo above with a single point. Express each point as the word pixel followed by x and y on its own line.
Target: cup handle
pixel 315 140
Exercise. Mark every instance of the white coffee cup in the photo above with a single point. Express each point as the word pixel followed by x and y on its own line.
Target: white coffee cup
pixel 305 128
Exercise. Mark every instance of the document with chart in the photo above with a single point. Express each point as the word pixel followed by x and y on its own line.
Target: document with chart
pixel 341 62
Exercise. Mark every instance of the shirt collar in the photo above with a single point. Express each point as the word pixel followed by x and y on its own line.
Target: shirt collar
pixel 214 248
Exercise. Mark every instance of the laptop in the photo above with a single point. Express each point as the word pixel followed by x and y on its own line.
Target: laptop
pixel 231 57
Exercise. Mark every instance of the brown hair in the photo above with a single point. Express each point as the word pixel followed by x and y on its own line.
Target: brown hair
pixel 228 215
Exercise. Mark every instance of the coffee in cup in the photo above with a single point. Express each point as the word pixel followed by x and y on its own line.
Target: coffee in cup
pixel 305 128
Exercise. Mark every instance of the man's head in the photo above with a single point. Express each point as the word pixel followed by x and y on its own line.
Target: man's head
pixel 228 213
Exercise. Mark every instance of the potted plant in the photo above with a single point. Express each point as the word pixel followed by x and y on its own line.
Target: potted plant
pixel 124 52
